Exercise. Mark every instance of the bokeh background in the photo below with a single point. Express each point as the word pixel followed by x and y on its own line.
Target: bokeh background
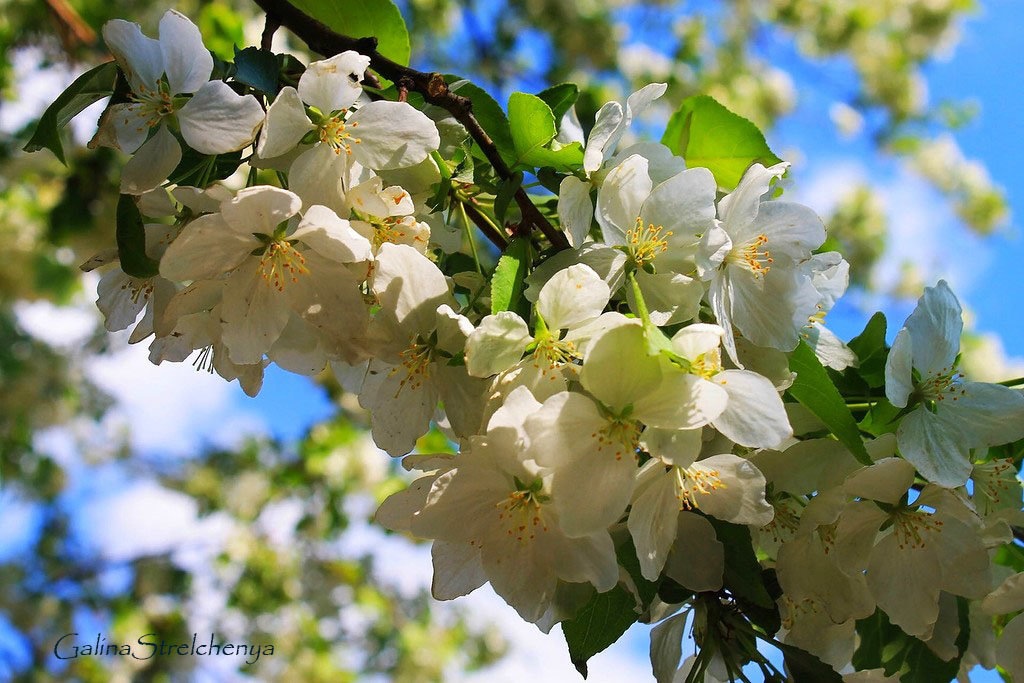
pixel 138 499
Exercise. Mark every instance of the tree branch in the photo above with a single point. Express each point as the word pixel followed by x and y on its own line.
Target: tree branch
pixel 432 86
pixel 486 226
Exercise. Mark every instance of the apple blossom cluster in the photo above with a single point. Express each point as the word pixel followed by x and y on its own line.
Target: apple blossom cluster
pixel 644 407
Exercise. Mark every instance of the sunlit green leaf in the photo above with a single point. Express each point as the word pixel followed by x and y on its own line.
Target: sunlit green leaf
pixel 533 130
pixel 707 134
pixel 360 19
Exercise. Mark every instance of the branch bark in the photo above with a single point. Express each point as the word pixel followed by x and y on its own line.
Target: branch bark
pixel 432 86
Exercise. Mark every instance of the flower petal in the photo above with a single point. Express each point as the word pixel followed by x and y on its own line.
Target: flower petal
pixel 754 415
pixel 936 325
pixel 697 559
pixel 253 314
pixel 206 248
pixel 187 62
pixel 620 198
pixel 138 56
pixel 218 120
pixel 393 135
pixel 260 209
pixel 575 209
pixel 572 297
pixel 152 163
pixel 936 446
pixel 317 175
pixel 496 344
pixel 322 231
pixel 605 124
pixel 285 126
pixel 333 84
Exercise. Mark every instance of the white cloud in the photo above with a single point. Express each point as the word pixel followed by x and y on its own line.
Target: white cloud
pixel 924 231
pixel 170 408
pixel 143 519
pixel 63 327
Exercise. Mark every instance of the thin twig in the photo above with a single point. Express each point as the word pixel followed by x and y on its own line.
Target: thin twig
pixel 486 226
pixel 432 86
pixel 269 28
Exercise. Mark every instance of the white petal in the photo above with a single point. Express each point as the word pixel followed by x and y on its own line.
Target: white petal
pixel 458 570
pixel 138 56
pixel 218 120
pixel 886 480
pixel 936 325
pixel 905 583
pixel 152 163
pixel 409 287
pixel 1009 653
pixel 187 62
pixel 935 446
pixel 332 237
pixel 316 176
pixel 671 298
pixel 740 497
pixel 662 164
pixel 120 298
pixel 605 124
pixel 770 310
pixel 898 369
pixel 254 314
pixel 260 209
pixel 206 248
pixel 1008 597
pixel 333 84
pixel 807 572
pixel 856 534
pixel 299 349
pixel 591 481
pixel 667 647
pixel 131 125
pixel 393 135
pixel 652 517
pixel 830 349
pixel 575 209
pixel 329 299
pixel 683 203
pixel 635 105
pixel 497 344
pixel 680 401
pixel 400 413
pixel 572 297
pixel 202 200
pixel 738 208
pixel 285 126
pixel 620 198
pixel 992 413
pixel 617 369
pixel 697 559
pixel 754 416
pixel 673 446
pixel 793 230
pixel 589 559
pixel 693 341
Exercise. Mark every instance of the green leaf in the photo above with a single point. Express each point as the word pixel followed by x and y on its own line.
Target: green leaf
pixel 815 391
pixel 884 645
pixel 360 19
pixel 506 190
pixel 92 86
pixel 598 624
pixel 131 240
pixel 533 130
pixel 560 97
pixel 489 115
pixel 743 575
pixel 257 68
pixel 806 668
pixel 707 134
pixel 626 555
pixel 509 278
pixel 871 351
pixel 202 169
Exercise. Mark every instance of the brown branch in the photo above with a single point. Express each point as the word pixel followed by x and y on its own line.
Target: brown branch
pixel 269 28
pixel 496 238
pixel 432 86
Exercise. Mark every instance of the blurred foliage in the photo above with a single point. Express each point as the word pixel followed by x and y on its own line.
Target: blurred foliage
pixel 328 615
